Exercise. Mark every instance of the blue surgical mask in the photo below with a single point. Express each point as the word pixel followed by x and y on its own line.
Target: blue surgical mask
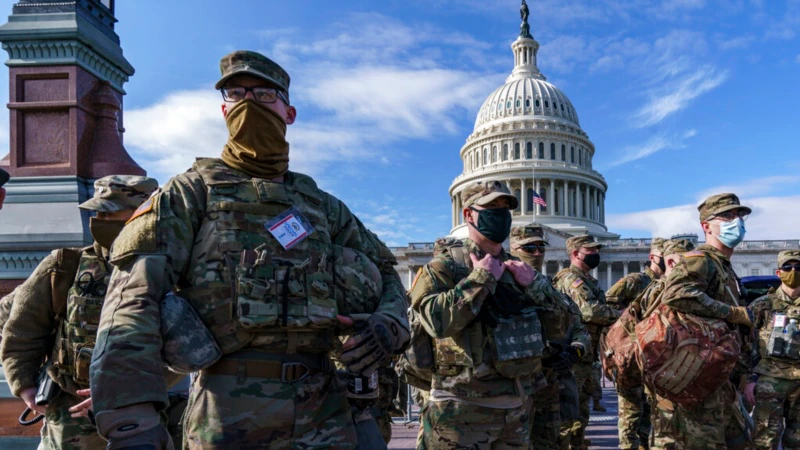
pixel 731 233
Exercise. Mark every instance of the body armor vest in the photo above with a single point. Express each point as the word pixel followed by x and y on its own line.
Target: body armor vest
pixel 77 330
pixel 781 336
pixel 248 289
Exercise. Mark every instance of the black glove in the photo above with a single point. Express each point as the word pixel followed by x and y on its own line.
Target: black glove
pixel 563 362
pixel 377 339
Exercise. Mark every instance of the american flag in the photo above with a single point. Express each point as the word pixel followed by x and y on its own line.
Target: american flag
pixel 537 199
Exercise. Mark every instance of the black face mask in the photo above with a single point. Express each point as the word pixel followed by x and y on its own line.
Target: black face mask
pixel 494 224
pixel 662 265
pixel 592 260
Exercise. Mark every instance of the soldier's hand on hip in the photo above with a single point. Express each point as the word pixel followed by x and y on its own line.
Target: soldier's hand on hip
pixel 488 263
pixel 523 273
pixel 29 397
pixel 83 408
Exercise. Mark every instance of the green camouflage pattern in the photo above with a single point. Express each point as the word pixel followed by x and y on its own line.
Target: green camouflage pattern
pixel 625 291
pixel 449 298
pixel 764 310
pixel 119 192
pixel 674 246
pixel 526 234
pixel 63 432
pixel 243 62
pixel 573 431
pixel 720 203
pixel 657 245
pixel 482 193
pixel 454 425
pixel 634 418
pixel 587 241
pixel 597 388
pixel 777 413
pixel 788 255
pixel 192 234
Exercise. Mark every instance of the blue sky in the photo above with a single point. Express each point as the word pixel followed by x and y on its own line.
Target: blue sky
pixel 681 97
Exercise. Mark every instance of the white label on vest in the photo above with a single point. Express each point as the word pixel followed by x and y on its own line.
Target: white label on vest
pixel 288 229
pixel 780 320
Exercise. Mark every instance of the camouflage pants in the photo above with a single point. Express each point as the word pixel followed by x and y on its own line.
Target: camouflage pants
pixel 634 418
pixel 597 375
pixel 60 431
pixel 546 417
pixel 572 431
pixel 227 411
pixel 715 424
pixel 450 425
pixel 777 399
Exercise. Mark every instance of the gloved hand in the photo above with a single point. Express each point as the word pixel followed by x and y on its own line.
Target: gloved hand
pixel 136 427
pixel 563 362
pixel 741 315
pixel 378 337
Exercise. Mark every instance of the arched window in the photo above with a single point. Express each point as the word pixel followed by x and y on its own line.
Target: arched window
pixel 572 155
pixel 519 199
pixel 580 157
pixel 516 150
pixel 538 103
pixel 529 199
pixel 508 104
pixel 505 152
pixel 494 154
pixel 499 106
pixel 529 150
pixel 556 201
pixel 562 107
pixel 541 150
pixel 518 103
pixel 543 193
pixel 485 156
pixel 528 103
pixel 563 152
pixel 552 151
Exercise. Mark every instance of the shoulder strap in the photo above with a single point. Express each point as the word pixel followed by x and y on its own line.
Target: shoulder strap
pixel 461 260
pixel 62 277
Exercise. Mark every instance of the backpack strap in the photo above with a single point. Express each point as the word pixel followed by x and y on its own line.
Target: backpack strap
pixel 62 277
pixel 463 263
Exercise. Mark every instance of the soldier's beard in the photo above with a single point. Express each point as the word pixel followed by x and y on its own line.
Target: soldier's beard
pixel 256 141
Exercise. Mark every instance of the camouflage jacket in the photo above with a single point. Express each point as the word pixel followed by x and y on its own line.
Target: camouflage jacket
pixel 583 289
pixel 648 298
pixel 763 309
pixel 186 237
pixel 449 305
pixel 703 283
pixel 625 291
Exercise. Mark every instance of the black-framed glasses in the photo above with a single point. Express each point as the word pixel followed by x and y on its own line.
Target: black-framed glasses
pixel 729 216
pixel 261 94
pixel 789 267
pixel 532 248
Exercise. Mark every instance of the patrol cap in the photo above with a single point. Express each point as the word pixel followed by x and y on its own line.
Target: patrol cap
pixel 788 255
pixel 255 64
pixel 527 234
pixel 3 177
pixel 119 192
pixel 657 245
pixel 482 193
pixel 720 203
pixel 585 241
pixel 674 246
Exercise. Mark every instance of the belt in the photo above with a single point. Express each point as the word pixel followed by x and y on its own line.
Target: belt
pixel 287 368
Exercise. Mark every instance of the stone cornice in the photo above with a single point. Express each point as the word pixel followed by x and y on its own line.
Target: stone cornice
pixel 19 265
pixel 517 170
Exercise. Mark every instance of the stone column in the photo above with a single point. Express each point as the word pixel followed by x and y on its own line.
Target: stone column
pixel 455 213
pixel 538 191
pixel 596 208
pixel 523 193
pixel 579 200
pixel 587 202
pixel 565 195
pixel 411 273
pixel 608 274
pixel 594 273
pixel 552 197
pixel 544 268
pixel 624 268
pixel 560 265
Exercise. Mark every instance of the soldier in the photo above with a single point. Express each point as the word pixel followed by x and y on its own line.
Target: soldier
pixel 777 374
pixel 563 330
pixel 703 283
pixel 248 244
pixel 597 388
pixel 576 283
pixel 478 304
pixel 58 321
pixel 634 411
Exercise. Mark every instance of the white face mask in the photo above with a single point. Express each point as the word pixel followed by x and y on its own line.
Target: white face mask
pixel 731 233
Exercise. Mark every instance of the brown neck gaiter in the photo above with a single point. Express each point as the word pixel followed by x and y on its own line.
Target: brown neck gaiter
pixel 256 141
pixel 534 261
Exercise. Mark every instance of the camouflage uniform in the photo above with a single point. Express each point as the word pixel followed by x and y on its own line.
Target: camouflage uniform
pixel 778 387
pixel 596 315
pixel 704 284
pixel 272 308
pixel 485 362
pixel 634 411
pixel 73 314
pixel 562 326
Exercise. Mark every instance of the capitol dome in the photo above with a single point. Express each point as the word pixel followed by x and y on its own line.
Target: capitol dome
pixel 528 136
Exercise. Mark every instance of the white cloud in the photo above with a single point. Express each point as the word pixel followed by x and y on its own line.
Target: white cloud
pixel 653 145
pixel 677 95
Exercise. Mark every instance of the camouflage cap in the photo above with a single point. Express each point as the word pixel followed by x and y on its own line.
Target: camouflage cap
pixel 788 255
pixel 585 241
pixel 118 192
pixel 3 177
pixel 673 246
pixel 527 234
pixel 657 245
pixel 720 203
pixel 255 64
pixel 482 193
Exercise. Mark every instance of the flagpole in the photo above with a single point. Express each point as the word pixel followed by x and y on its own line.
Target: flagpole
pixel 533 187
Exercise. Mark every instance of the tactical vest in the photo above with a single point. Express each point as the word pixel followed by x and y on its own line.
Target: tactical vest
pixel 780 338
pixel 78 322
pixel 515 343
pixel 248 289
pixel 594 330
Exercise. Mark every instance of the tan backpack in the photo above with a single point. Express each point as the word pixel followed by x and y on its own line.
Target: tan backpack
pixel 618 352
pixel 684 357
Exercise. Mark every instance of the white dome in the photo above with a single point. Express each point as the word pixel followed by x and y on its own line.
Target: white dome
pixel 525 98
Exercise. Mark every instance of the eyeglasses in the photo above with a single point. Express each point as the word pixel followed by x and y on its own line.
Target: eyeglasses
pixel 532 248
pixel 790 267
pixel 729 216
pixel 262 94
